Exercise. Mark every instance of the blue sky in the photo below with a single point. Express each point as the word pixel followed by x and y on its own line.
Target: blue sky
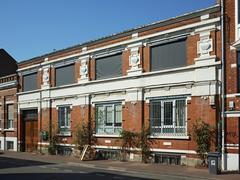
pixel 30 28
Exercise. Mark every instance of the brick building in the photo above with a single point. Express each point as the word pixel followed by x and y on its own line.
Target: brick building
pixel 8 102
pixel 164 76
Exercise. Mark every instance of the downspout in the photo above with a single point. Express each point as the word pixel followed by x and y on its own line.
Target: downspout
pixel 223 86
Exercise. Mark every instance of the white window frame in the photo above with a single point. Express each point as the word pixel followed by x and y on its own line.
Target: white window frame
pixel 173 126
pixel 10 120
pixel 66 129
pixel 237 25
pixel 105 125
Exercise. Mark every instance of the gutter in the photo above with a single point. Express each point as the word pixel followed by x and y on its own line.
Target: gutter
pixel 223 163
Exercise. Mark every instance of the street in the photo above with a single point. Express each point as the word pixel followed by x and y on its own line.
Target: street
pixel 11 168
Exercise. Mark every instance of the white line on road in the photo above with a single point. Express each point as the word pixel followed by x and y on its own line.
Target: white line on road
pixel 44 167
pixel 67 170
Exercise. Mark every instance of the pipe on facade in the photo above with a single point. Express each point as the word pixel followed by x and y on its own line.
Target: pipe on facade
pixel 223 86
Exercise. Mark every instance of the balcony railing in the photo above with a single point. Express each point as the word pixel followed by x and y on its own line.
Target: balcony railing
pixel 168 130
pixel 8 78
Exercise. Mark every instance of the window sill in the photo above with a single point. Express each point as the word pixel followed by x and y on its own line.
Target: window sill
pixel 65 134
pixel 169 137
pixel 9 129
pixel 107 135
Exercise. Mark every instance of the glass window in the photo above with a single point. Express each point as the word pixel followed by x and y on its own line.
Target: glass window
pixel 65 75
pixel 10 145
pixel 10 116
pixel 64 119
pixel 168 55
pixel 109 67
pixel 108 118
pixel 168 116
pixel 30 82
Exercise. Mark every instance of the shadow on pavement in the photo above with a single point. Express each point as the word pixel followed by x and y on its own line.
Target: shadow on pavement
pixel 68 176
pixel 6 162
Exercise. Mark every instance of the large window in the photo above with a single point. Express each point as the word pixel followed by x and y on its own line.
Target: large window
pixel 64 120
pixel 65 75
pixel 238 69
pixel 1 121
pixel 30 82
pixel 10 116
pixel 168 55
pixel 168 116
pixel 109 67
pixel 109 118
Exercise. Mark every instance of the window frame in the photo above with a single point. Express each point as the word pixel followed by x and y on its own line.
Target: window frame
pixel 10 121
pixel 165 129
pixel 66 128
pixel 115 125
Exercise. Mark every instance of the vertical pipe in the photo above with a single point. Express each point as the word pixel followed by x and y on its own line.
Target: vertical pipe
pixel 223 86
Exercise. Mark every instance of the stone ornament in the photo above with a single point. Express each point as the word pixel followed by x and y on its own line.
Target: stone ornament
pixel 83 69
pixel 205 44
pixel 45 77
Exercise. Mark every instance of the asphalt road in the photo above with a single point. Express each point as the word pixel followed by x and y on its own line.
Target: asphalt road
pixel 11 168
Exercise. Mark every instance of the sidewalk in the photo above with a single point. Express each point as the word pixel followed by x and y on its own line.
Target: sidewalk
pixel 124 166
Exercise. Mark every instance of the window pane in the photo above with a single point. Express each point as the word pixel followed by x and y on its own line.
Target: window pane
pixel 65 75
pixel 109 119
pixel 156 113
pixel 64 117
pixel 118 109
pixel 168 113
pixel 30 82
pixel 180 112
pixel 10 111
pixel 170 55
pixel 108 67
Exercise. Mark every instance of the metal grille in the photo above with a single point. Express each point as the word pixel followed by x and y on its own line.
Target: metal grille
pixel 168 117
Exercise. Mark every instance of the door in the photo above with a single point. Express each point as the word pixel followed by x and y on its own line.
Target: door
pixel 31 135
pixel 30 122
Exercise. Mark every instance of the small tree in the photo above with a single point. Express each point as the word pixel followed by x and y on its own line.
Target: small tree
pixel 129 140
pixel 145 144
pixel 203 134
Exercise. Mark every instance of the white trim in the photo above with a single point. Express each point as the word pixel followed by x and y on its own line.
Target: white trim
pixel 153 149
pixel 232 113
pixel 107 135
pixel 9 129
pixel 232 95
pixel 236 21
pixel 169 137
pixel 201 23
pixel 9 102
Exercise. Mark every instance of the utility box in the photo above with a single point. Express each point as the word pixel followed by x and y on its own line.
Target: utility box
pixel 214 162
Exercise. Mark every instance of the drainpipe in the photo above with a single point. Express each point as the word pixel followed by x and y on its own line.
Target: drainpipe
pixel 223 86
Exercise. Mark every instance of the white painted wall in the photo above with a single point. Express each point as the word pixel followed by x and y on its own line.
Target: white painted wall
pixel 14 139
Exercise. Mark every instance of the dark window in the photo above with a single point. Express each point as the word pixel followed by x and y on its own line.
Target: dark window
pixel 238 61
pixel 10 145
pixel 108 67
pixel 10 116
pixel 65 75
pixel 30 82
pixel 170 55
pixel 238 12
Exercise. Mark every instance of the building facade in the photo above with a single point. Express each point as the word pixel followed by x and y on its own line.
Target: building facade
pixel 232 85
pixel 165 76
pixel 8 102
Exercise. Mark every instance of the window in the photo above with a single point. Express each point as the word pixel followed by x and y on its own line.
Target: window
pixel 10 145
pixel 238 17
pixel 65 75
pixel 168 55
pixel 168 116
pixel 1 121
pixel 238 69
pixel 109 118
pixel 109 67
pixel 64 119
pixel 10 116
pixel 30 82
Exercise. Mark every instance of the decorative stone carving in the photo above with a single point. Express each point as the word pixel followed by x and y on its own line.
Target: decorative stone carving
pixel 45 77
pixel 134 59
pixel 83 69
pixel 205 44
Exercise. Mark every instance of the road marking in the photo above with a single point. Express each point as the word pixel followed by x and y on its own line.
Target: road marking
pixel 81 164
pixel 54 168
pixel 44 167
pixel 82 172
pixel 67 170
pixel 116 169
